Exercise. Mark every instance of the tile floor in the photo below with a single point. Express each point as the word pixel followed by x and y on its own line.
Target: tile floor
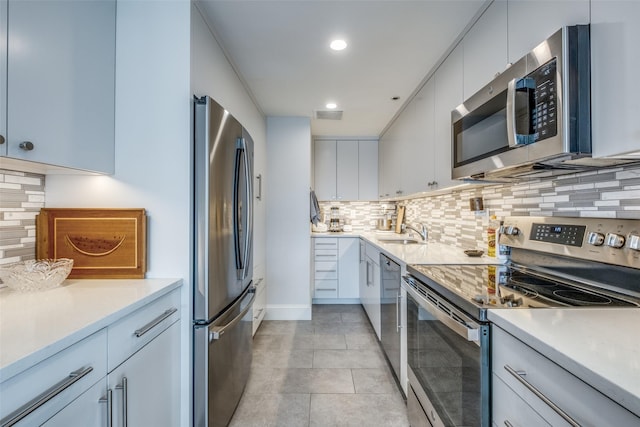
pixel 329 371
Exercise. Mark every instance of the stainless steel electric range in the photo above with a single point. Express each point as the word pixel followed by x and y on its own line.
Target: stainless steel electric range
pixel 555 263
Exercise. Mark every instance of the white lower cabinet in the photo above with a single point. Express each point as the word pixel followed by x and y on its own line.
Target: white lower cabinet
pixel 527 386
pixel 127 373
pixel 260 303
pixel 371 298
pixel 37 394
pixel 336 268
pixel 84 411
pixel 146 387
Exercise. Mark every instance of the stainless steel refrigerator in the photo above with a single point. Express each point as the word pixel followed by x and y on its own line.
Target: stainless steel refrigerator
pixel 223 292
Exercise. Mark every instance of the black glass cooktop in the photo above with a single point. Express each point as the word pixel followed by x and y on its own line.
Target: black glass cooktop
pixel 478 287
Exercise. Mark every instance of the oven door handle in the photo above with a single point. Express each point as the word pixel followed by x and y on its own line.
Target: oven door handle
pixel 466 332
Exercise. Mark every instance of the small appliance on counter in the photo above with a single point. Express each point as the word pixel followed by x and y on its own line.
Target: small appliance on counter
pixel 334 221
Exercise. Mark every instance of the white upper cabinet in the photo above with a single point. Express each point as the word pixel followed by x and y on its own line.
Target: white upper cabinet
pixel 368 170
pixel 343 169
pixel 532 21
pixel 485 48
pixel 615 36
pixel 448 95
pixel 324 169
pixel 3 77
pixel 347 170
pixel 60 95
pixel 419 169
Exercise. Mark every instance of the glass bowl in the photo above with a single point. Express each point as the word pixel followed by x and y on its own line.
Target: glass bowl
pixel 36 275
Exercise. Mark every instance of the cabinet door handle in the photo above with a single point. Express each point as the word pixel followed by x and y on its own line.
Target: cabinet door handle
pixel 398 303
pixel 507 424
pixel 125 389
pixel 35 403
pixel 155 322
pixel 519 376
pixel 26 145
pixel 325 289
pixel 259 178
pixel 325 271
pixel 108 399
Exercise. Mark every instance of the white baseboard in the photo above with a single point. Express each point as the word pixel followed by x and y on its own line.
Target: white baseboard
pixel 288 312
pixel 336 301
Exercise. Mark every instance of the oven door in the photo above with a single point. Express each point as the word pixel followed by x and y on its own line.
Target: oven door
pixel 448 360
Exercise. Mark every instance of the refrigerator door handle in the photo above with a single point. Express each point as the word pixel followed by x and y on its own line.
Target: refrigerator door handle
pixel 216 332
pixel 237 222
pixel 249 208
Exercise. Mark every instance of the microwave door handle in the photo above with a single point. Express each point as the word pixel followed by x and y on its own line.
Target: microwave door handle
pixel 511 114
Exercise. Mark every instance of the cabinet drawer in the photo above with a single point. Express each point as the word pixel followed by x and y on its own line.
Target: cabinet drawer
pixel 583 403
pixel 259 304
pixel 74 370
pixel 326 289
pixel 325 270
pixel 325 255
pixel 131 333
pixel 373 253
pixel 325 243
pixel 510 409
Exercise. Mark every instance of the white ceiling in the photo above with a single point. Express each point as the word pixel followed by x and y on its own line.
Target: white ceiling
pixel 281 51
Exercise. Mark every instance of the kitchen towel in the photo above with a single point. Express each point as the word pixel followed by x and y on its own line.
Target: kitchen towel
pixel 315 208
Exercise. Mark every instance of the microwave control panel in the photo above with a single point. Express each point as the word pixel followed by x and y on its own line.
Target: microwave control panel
pixel 544 117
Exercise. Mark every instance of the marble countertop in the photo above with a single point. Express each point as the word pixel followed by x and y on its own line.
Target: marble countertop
pixel 598 345
pixel 418 253
pixel 36 325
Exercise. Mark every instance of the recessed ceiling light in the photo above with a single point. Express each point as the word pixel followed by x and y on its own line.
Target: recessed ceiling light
pixel 338 44
pixel 331 105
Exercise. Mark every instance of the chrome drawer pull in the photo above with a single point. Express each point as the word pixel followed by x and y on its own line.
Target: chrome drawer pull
pixel 35 403
pixel 519 374
pixel 108 399
pixel 507 423
pixel 326 289
pixel 125 391
pixel 155 322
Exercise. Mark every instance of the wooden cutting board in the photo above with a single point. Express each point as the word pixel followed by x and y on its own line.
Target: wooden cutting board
pixel 103 243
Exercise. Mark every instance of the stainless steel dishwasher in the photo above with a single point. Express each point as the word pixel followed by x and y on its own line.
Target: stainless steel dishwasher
pixel 390 304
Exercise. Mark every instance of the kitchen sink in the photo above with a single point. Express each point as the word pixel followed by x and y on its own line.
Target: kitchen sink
pixel 400 241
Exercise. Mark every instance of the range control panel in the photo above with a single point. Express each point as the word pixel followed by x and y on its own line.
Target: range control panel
pixel 613 241
pixel 562 234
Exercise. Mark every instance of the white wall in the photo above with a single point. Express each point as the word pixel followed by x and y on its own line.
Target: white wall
pixel 153 140
pixel 211 74
pixel 288 237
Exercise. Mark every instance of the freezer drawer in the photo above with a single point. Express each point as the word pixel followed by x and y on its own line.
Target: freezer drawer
pixel 222 360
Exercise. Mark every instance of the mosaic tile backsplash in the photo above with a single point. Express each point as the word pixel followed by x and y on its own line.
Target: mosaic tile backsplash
pixel 608 193
pixel 21 197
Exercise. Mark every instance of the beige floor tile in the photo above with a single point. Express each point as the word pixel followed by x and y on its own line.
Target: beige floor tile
pixel 273 410
pixel 296 358
pixel 329 371
pixel 348 359
pixel 362 341
pixel 379 381
pixel 386 410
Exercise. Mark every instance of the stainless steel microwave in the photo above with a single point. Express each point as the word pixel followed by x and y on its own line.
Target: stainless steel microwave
pixel 533 119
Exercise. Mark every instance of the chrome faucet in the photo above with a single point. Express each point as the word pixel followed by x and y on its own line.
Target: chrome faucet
pixel 422 232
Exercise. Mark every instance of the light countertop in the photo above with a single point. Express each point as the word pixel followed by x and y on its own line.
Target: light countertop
pixel 418 253
pixel 36 325
pixel 599 345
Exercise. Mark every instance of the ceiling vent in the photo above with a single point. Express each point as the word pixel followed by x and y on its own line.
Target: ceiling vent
pixel 327 114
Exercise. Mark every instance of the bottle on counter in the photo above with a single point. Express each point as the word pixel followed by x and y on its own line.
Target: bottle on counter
pixel 492 232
